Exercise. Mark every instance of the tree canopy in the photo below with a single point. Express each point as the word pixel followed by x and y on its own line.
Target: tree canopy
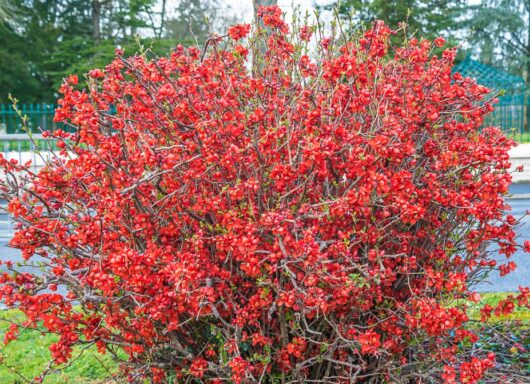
pixel 500 34
pixel 495 32
pixel 425 18
pixel 43 41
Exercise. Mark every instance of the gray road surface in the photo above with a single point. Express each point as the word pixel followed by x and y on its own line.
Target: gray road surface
pixel 494 283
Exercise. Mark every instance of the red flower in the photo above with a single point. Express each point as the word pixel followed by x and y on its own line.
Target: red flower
pixel 370 342
pixel 239 31
pixel 439 42
pixel 242 51
pixel 72 80
pixel 306 32
pixel 272 17
pixel 198 367
pixel 449 375
pixel 96 73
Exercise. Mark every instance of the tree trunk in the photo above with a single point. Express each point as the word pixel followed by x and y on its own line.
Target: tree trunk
pixel 259 3
pixel 526 125
pixel 96 15
pixel 162 19
pixel 259 50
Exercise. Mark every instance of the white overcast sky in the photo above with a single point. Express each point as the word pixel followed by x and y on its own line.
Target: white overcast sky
pixel 244 11
pixel 244 7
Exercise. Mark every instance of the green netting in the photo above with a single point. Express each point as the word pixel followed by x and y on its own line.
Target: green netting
pixel 509 112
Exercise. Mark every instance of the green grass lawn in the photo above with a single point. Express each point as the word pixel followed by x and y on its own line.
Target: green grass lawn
pixel 522 314
pixel 522 137
pixel 29 354
pixel 24 145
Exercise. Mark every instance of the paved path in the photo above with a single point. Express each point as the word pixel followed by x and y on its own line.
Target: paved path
pixel 520 204
pixel 521 276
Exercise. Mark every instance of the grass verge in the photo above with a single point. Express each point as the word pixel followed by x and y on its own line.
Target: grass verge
pixel 26 357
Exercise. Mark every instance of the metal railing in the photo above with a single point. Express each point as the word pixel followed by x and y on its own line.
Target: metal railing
pixel 39 116
pixel 510 113
pixel 22 149
pixel 6 224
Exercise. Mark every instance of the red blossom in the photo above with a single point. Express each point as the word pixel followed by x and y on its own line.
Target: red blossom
pixel 370 342
pixel 239 31
pixel 449 375
pixel 96 73
pixel 439 42
pixel 306 32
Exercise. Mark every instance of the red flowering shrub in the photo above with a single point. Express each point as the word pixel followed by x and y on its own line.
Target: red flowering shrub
pixel 317 219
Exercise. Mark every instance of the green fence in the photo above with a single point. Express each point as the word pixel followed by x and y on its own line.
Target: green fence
pixel 40 116
pixel 510 113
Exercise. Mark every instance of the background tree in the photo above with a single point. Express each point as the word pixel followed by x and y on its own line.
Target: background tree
pixel 500 31
pixel 192 20
pixel 500 36
pixel 43 41
pixel 16 71
pixel 262 3
pixel 5 9
pixel 425 18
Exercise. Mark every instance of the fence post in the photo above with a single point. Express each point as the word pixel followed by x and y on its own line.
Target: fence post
pixel 51 114
pixel 43 119
pixel 3 123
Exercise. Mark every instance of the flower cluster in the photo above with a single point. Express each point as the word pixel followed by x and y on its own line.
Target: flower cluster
pixel 239 31
pixel 314 219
